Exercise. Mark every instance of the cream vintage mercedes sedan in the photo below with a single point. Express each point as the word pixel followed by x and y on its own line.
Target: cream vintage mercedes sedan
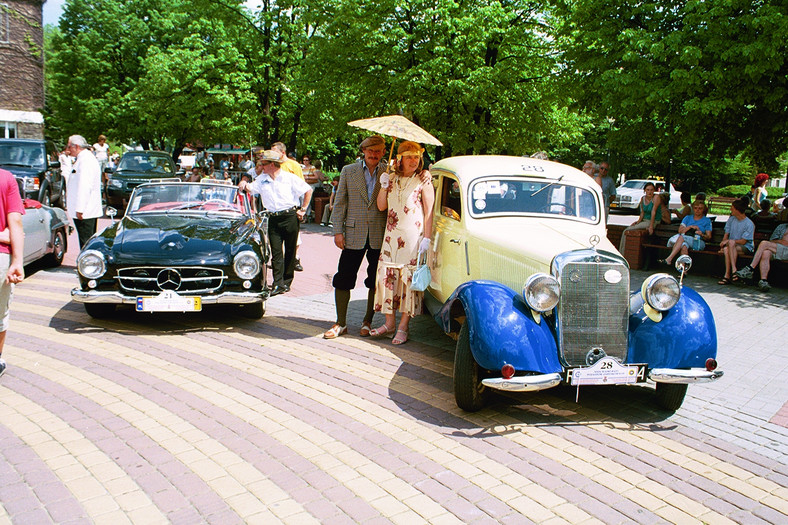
pixel 524 277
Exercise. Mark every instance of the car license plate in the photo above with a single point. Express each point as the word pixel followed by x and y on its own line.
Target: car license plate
pixel 169 301
pixel 606 371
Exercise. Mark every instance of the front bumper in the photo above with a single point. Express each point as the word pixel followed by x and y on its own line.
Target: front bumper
pixel 523 383
pixel 684 376
pixel 93 296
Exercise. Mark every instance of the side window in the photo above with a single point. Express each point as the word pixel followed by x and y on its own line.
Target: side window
pixel 451 205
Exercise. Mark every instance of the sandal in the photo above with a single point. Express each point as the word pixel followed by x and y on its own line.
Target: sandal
pixel 725 281
pixel 334 332
pixel 664 262
pixel 381 330
pixel 366 328
pixel 735 279
pixel 402 337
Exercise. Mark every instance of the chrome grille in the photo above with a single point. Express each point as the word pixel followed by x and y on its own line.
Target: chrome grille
pixel 182 279
pixel 593 313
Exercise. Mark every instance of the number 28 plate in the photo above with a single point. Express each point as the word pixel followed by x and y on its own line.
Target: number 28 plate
pixel 607 371
pixel 169 301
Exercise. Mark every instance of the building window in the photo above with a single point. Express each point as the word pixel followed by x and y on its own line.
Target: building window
pixel 4 28
pixel 7 130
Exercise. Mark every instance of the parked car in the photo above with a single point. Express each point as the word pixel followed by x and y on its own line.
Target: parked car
pixel 628 195
pixel 35 164
pixel 524 277
pixel 179 246
pixel 46 232
pixel 135 168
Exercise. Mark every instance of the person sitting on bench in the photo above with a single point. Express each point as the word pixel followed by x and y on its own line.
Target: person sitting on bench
pixel 693 233
pixel 775 248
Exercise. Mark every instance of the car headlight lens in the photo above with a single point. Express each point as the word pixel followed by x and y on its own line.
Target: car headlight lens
pixel 246 265
pixel 661 291
pixel 115 183
pixel 91 264
pixel 542 292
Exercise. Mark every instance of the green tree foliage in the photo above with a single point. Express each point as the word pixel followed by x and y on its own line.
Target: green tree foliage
pixel 689 79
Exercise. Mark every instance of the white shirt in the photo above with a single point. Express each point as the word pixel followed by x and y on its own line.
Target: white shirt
pixel 101 151
pixel 281 193
pixel 83 190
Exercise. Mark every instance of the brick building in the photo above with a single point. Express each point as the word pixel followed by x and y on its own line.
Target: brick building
pixel 21 69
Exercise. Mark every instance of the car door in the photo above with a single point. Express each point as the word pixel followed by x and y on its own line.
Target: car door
pixel 449 261
pixel 35 223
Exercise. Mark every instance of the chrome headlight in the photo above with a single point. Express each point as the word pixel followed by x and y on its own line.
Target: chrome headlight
pixel 246 265
pixel 115 183
pixel 542 292
pixel 91 264
pixel 661 291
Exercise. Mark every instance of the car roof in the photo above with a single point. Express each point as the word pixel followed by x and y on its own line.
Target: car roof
pixel 470 167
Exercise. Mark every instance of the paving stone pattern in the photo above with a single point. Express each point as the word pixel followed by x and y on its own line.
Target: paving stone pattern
pixel 211 418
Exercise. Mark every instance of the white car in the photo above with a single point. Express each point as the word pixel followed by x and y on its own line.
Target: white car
pixel 628 195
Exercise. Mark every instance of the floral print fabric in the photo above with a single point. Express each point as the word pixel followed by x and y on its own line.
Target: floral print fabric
pixel 399 253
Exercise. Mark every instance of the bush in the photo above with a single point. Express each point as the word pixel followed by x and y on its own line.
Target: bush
pixel 737 190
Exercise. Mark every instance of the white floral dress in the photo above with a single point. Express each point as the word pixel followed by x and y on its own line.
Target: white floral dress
pixel 399 252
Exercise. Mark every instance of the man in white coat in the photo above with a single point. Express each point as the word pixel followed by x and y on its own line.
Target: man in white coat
pixel 83 191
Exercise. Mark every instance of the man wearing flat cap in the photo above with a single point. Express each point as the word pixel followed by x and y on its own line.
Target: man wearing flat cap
pixel 358 231
pixel 285 197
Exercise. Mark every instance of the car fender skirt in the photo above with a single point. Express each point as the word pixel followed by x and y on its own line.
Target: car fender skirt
pixel 684 376
pixel 685 337
pixel 501 329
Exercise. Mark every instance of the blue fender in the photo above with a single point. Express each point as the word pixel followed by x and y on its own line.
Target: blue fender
pixel 684 338
pixel 502 329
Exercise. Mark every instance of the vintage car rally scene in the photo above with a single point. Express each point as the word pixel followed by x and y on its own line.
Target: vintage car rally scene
pixel 341 262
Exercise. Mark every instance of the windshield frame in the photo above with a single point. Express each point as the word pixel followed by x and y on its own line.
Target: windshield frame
pixel 187 198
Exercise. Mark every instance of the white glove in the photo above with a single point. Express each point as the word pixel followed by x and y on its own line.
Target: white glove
pixel 384 180
pixel 424 245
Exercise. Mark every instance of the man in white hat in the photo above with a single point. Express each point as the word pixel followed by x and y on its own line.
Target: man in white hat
pixel 285 197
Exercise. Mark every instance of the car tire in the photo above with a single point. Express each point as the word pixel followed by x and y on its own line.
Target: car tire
pixel 46 197
pixel 59 240
pixel 99 310
pixel 469 392
pixel 670 396
pixel 253 311
pixel 62 203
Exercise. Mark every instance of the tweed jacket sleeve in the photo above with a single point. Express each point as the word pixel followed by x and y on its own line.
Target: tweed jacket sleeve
pixel 355 215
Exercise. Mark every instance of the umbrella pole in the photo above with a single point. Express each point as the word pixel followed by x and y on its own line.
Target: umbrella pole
pixel 391 153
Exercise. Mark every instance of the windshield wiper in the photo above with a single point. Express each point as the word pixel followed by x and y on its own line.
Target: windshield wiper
pixel 547 186
pixel 17 165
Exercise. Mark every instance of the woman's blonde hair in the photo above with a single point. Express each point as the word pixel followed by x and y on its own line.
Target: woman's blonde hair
pixel 412 148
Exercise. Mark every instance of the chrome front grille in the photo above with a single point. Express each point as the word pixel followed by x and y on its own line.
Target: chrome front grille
pixel 181 279
pixel 594 310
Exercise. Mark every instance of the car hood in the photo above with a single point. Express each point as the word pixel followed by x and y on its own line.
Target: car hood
pixel 131 174
pixel 178 238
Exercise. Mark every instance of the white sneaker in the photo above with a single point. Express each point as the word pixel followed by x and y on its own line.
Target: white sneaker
pixel 745 273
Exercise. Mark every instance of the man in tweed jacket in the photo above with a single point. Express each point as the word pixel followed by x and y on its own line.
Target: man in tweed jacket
pixel 358 231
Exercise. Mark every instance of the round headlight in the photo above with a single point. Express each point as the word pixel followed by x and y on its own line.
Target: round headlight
pixel 91 264
pixel 661 291
pixel 246 265
pixel 541 292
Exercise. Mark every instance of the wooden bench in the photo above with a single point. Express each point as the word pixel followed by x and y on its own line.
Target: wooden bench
pixel 655 247
pixel 719 205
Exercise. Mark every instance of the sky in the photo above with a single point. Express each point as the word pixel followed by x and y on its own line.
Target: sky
pixel 53 9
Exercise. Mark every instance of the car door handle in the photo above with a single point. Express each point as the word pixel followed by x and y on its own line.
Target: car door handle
pixel 455 241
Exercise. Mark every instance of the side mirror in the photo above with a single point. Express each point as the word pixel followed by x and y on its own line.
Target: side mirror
pixel 54 164
pixel 111 212
pixel 683 264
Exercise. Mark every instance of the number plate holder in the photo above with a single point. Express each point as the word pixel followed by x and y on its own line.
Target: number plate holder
pixel 606 371
pixel 169 301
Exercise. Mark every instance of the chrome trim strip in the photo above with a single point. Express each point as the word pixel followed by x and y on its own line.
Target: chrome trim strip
pixel 81 296
pixel 523 383
pixel 678 375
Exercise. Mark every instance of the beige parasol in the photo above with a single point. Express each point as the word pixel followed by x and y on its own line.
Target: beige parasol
pixel 398 127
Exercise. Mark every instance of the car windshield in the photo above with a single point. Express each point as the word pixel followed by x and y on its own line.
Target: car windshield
pixel 634 184
pixel 517 196
pixel 23 155
pixel 186 197
pixel 145 163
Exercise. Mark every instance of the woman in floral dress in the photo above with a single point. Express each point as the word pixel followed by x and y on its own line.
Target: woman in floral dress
pixel 408 230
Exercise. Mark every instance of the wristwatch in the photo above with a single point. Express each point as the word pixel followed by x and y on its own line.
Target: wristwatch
pixel 303 210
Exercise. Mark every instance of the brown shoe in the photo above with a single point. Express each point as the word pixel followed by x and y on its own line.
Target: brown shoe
pixel 365 328
pixel 335 331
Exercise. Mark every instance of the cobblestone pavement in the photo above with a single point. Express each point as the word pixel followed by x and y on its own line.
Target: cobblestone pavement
pixel 210 418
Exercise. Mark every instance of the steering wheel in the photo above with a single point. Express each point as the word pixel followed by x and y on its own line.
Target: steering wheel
pixel 567 210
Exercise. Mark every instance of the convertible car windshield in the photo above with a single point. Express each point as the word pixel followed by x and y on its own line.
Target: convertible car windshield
pixel 184 197
pixel 516 196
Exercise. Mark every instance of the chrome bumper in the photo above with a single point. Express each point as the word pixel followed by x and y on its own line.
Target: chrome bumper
pixel 675 375
pixel 523 383
pixel 93 296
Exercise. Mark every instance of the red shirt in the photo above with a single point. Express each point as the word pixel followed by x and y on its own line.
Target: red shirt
pixel 10 202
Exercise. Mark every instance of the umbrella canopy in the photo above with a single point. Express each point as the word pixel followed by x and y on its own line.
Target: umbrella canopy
pixel 396 126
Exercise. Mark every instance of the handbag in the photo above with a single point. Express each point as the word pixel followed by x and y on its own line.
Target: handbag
pixel 421 277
